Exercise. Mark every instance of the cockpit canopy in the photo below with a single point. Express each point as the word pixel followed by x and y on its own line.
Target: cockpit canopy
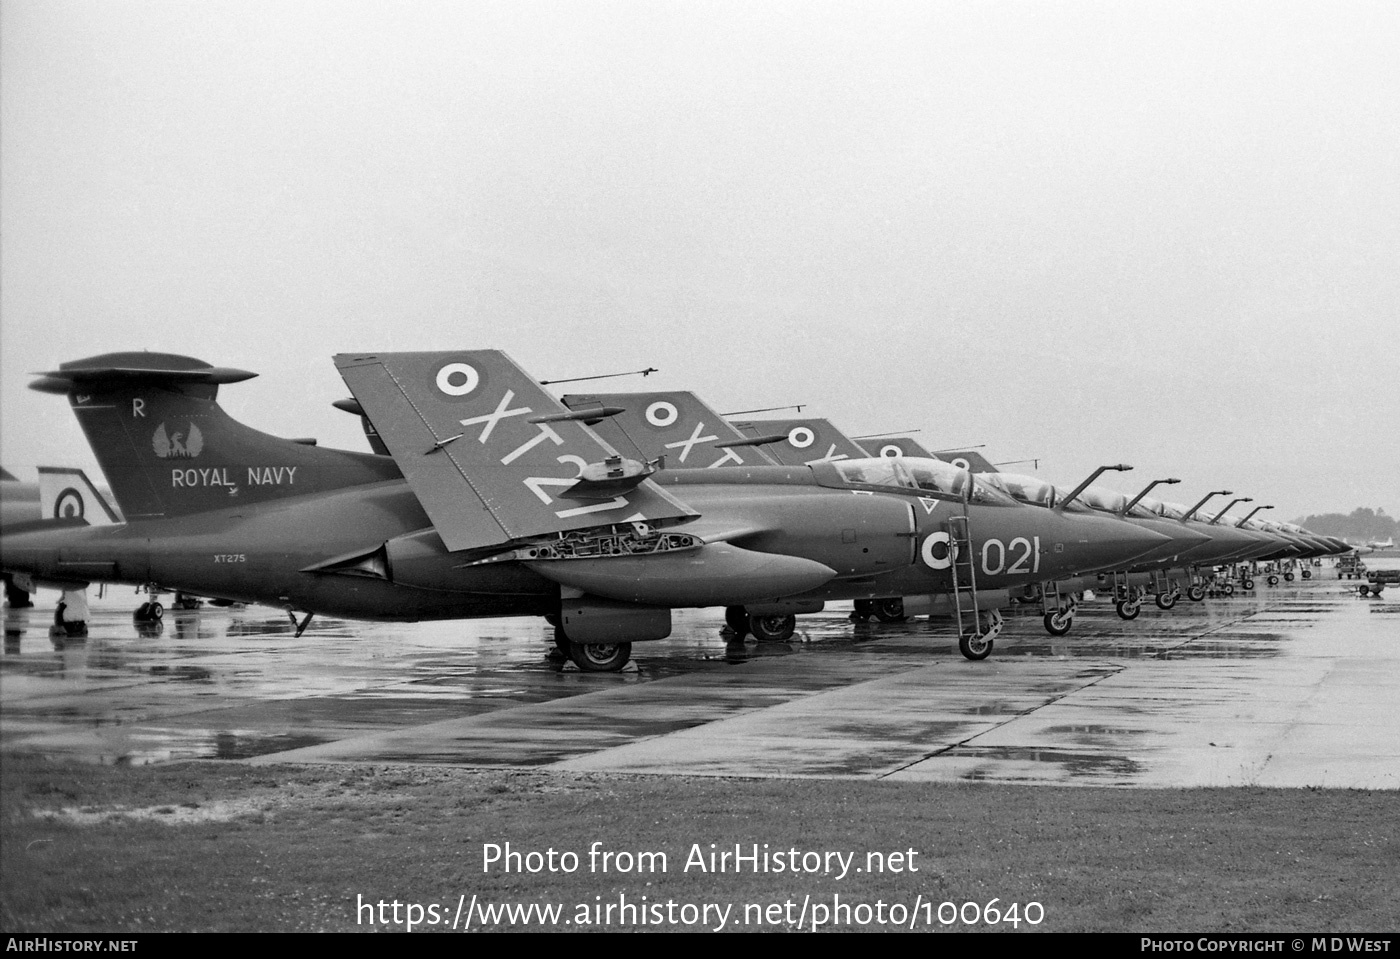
pixel 915 473
pixel 1162 508
pixel 1023 489
pixel 1100 497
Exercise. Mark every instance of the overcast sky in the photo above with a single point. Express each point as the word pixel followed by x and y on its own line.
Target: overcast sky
pixel 1165 234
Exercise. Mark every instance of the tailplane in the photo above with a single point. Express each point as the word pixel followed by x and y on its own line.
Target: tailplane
pixel 168 449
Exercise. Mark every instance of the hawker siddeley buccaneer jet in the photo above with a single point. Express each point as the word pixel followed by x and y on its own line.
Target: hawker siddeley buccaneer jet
pixel 497 500
pixel 984 563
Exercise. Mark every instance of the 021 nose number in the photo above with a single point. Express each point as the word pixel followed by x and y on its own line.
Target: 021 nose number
pixel 1021 555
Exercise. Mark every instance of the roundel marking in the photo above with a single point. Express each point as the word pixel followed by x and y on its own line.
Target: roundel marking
pixel 448 385
pixel 801 437
pixel 932 540
pixel 662 413
pixel 69 505
pixel 962 464
pixel 890 450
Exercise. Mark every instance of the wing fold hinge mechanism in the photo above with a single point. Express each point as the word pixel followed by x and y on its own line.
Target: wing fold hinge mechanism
pixel 620 539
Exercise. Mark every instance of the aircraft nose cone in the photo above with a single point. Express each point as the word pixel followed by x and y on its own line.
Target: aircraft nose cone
pixel 1181 540
pixel 1228 543
pixel 1101 543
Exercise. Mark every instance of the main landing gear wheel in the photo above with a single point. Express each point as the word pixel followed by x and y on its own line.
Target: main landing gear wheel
pixel 1059 622
pixel 1288 577
pixel 1229 588
pixel 1307 574
pixel 1167 600
pixel 1272 580
pixel 152 612
pixel 1247 584
pixel 1127 610
pixel 773 629
pixel 600 657
pixel 864 609
pixel 1195 593
pixel 978 646
pixel 890 610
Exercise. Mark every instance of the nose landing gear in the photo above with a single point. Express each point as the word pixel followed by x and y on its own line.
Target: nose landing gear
pixel 978 645
pixel 1058 622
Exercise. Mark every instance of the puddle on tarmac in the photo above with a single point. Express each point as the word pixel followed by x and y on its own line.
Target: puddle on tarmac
pixel 1085 765
pixel 1250 646
pixel 192 674
pixel 174 745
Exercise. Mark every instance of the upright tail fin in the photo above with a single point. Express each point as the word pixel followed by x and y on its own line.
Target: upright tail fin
pixel 677 425
pixel 168 449
pixel 490 455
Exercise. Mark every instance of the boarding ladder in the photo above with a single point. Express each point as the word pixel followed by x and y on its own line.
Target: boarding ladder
pixel 964 570
pixel 1122 591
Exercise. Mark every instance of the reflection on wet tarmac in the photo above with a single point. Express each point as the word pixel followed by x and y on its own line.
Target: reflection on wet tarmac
pixel 1289 686
pixel 1088 767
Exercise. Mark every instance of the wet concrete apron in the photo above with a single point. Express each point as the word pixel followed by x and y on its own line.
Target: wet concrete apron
pixel 1290 686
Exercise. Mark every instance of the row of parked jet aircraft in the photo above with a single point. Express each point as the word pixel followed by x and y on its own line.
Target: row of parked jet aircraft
pixel 487 496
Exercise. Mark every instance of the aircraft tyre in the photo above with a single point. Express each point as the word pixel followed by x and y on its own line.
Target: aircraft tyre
pixel 1127 610
pixel 863 610
pixel 152 612
pixel 1288 577
pixel 890 610
pixel 1247 584
pixel 1361 590
pixel 975 648
pixel 1272 580
pixel 773 629
pixel 1058 623
pixel 1167 600
pixel 1195 593
pixel 737 619
pixel 1228 589
pixel 978 646
pixel 1307 574
pixel 600 657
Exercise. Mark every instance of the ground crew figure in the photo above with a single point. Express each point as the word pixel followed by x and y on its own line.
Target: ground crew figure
pixel 72 612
